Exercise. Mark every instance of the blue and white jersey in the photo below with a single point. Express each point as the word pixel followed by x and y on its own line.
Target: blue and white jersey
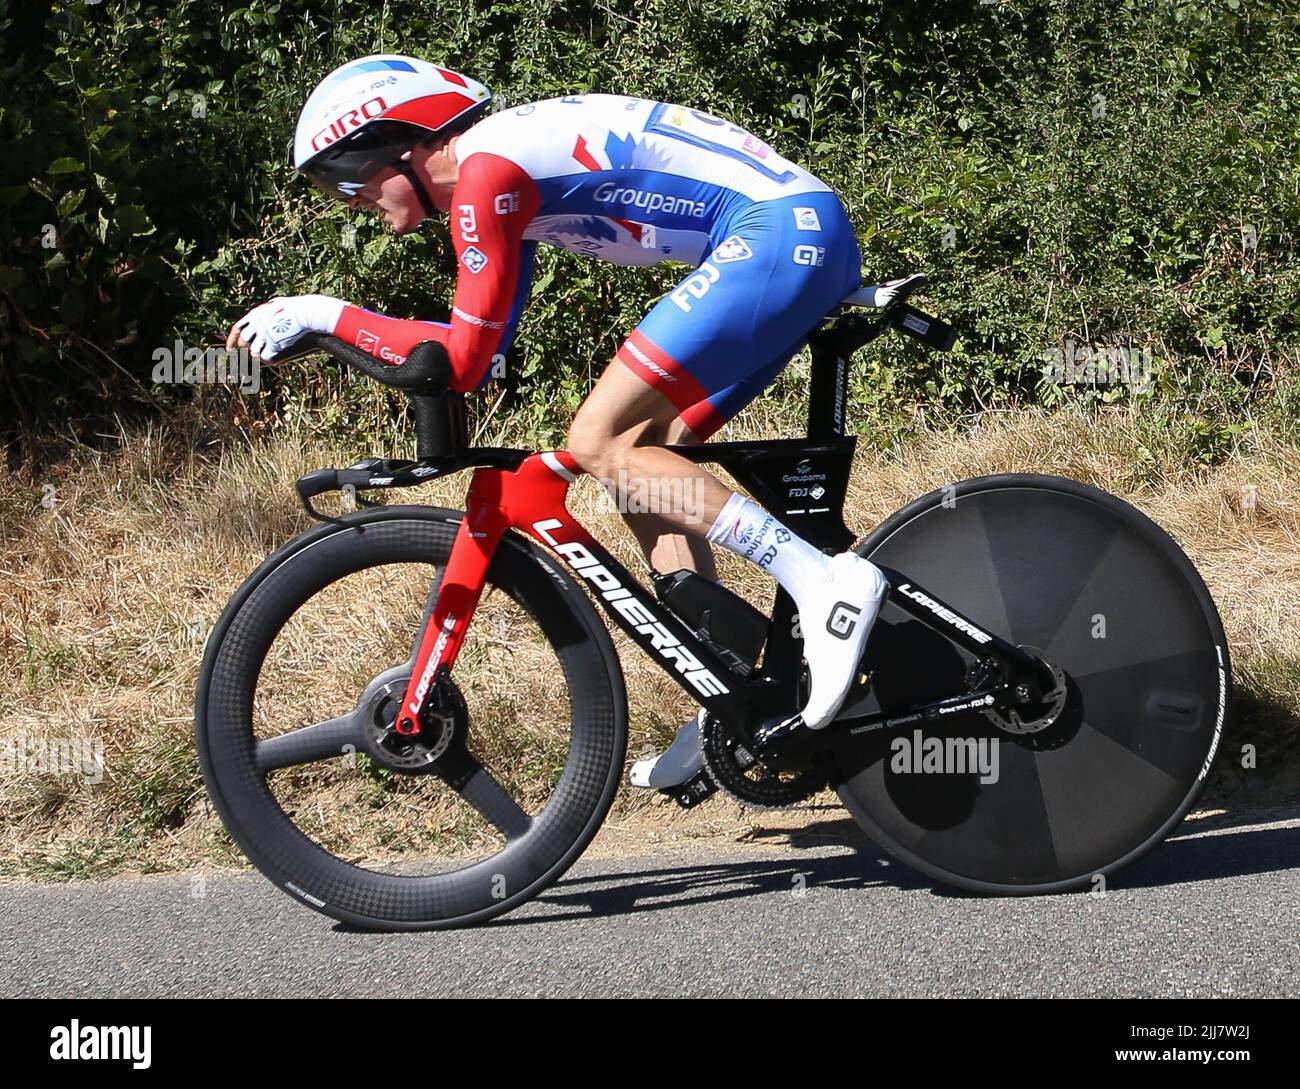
pixel 630 180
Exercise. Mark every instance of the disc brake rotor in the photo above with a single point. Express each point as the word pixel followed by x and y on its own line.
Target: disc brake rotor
pixel 416 754
pixel 1053 703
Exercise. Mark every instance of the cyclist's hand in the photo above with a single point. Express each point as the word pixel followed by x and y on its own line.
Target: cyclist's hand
pixel 274 326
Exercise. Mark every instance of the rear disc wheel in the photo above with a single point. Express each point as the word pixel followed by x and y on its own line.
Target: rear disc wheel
pixel 1100 592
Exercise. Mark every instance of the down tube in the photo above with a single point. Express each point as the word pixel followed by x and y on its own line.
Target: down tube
pixel 649 624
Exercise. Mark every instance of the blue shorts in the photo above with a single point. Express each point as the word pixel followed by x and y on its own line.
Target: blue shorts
pixel 719 338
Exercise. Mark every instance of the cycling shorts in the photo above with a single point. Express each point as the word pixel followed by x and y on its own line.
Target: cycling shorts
pixel 719 338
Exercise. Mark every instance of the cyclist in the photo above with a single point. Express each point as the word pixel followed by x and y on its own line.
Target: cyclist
pixel 636 182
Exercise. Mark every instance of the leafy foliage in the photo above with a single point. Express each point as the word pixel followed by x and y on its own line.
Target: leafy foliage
pixel 1090 172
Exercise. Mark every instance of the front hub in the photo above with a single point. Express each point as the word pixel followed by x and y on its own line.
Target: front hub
pixel 442 720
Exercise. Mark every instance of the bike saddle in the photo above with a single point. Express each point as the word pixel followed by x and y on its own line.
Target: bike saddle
pixel 879 296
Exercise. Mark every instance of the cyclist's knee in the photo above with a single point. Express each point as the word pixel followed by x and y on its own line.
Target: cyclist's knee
pixel 592 445
pixel 678 432
pixel 602 450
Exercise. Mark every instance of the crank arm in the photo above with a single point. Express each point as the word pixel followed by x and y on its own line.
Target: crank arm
pixel 793 747
pixel 1002 697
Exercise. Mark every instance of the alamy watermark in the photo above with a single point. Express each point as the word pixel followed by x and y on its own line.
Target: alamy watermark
pixel 111 1043
pixel 921 755
pixel 1081 365
pixel 656 495
pixel 24 755
pixel 194 366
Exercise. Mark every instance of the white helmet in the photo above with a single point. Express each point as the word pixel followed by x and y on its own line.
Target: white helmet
pixel 367 113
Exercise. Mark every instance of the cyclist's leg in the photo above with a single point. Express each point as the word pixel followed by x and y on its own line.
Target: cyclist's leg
pixel 665 546
pixel 763 285
pixel 617 436
pixel 710 346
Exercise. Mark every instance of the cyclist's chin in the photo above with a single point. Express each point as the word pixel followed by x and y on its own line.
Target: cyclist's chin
pixel 404 222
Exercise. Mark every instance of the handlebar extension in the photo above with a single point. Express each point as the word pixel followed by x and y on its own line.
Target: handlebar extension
pixel 427 368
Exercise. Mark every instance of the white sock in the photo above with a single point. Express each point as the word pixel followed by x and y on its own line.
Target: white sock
pixel 748 530
pixel 838 598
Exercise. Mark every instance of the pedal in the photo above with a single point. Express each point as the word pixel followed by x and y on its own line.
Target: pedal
pixel 698 788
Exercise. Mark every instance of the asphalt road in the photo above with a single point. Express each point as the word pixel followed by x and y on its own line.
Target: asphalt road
pixel 1213 912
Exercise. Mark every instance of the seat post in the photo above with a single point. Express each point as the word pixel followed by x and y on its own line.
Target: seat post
pixel 829 386
pixel 831 348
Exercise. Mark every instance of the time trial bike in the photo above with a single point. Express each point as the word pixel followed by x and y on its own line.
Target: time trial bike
pixel 413 717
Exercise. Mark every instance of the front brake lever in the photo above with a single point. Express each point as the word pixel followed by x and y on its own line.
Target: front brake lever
pixel 315 483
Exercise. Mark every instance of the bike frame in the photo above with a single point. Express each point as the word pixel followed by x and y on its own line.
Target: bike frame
pixel 804 481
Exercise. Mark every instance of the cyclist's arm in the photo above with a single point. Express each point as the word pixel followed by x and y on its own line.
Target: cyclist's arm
pixel 392 339
pixel 494 201
pixel 523 287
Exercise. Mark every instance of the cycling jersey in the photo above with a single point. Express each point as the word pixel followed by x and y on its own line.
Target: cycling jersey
pixel 637 182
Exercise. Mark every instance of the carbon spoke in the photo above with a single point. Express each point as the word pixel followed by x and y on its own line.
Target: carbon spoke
pixel 490 799
pixel 321 741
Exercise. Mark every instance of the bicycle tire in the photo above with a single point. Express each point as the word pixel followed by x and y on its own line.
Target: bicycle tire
pixel 228 692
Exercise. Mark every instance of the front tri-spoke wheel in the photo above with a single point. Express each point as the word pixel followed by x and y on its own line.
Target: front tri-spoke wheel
pixel 498 794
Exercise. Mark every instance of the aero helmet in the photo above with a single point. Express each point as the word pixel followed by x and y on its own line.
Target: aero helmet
pixel 365 115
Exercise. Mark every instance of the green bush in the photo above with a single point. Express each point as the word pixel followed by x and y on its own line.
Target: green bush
pixel 1112 174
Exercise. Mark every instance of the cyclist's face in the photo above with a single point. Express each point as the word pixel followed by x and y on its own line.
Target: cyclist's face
pixel 391 195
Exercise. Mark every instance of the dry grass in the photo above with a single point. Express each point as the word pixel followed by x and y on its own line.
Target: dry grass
pixel 107 596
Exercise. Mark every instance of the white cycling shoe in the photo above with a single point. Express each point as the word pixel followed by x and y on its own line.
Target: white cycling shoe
pixel 678 764
pixel 835 617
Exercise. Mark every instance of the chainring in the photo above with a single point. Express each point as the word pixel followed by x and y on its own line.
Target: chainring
pixel 745 778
